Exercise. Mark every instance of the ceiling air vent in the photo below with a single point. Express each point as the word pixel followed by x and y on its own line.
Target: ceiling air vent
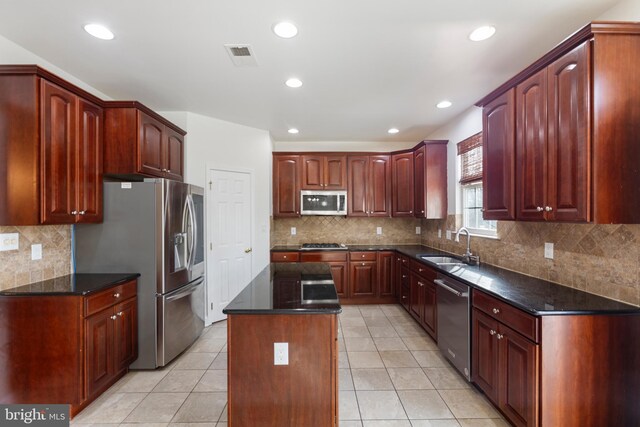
pixel 241 55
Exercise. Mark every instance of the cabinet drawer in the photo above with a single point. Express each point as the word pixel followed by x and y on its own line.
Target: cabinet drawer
pixel 363 256
pixel 285 256
pixel 421 269
pixel 516 319
pixel 109 297
pixel 321 256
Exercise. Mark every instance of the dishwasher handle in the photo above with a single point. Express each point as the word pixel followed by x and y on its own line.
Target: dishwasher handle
pixel 442 284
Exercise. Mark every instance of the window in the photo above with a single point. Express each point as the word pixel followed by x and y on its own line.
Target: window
pixel 470 153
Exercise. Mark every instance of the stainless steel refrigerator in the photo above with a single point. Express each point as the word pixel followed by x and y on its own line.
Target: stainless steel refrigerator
pixel 154 228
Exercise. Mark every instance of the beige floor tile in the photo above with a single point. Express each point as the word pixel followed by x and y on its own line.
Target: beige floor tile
pixel 345 381
pixel 348 406
pixel 420 343
pixel 225 414
pixel 355 331
pixel 201 407
pixel 142 425
pixel 468 403
pixel 410 330
pixel 383 331
pixel 371 379
pixel 220 362
pixel 194 361
pixel 430 359
pixel 113 408
pixel 365 359
pixel 221 424
pixel 219 324
pixel 216 333
pixel 398 359
pixel 403 320
pixel 409 379
pixel 350 423
pixel 359 344
pixel 157 407
pixel 353 321
pixel 387 423
pixel 349 311
pixel 179 381
pixel 212 380
pixel 392 310
pixel 446 378
pixel 194 425
pixel 371 311
pixel 377 321
pixel 208 345
pixel 486 422
pixel 343 360
pixel 142 381
pixel 380 405
pixel 434 423
pixel 424 405
pixel 341 345
pixel 389 344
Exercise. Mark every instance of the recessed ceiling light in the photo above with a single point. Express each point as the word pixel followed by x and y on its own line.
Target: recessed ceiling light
pixel 293 131
pixel 286 30
pixel 482 33
pixel 293 82
pixel 99 31
pixel 393 130
pixel 443 104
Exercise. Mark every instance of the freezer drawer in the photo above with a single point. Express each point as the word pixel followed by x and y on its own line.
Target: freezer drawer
pixel 180 320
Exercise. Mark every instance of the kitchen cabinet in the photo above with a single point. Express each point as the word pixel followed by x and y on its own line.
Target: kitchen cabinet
pixel 52 150
pixel 286 185
pixel 338 262
pixel 402 177
pixel 402 281
pixel 369 185
pixel 386 266
pixel 423 304
pixel 430 180
pixel 140 141
pixel 363 274
pixel 575 149
pixel 285 257
pixel 324 172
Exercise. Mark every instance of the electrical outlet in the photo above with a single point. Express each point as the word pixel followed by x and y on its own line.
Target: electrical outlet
pixel 418 230
pixel 293 231
pixel 280 353
pixel 36 251
pixel 548 250
pixel 448 234
pixel 9 241
pixel 439 233
pixel 378 230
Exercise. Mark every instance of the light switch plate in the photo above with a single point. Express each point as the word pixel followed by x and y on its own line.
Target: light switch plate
pixel 548 250
pixel 280 353
pixel 293 231
pixel 448 234
pixel 378 230
pixel 36 251
pixel 418 230
pixel 9 241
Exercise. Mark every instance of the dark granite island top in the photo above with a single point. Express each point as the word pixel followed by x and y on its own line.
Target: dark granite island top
pixel 71 284
pixel 278 289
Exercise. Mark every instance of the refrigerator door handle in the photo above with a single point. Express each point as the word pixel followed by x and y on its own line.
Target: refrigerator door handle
pixel 187 290
pixel 194 231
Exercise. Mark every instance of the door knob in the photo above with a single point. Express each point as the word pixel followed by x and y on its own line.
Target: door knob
pixel 246 251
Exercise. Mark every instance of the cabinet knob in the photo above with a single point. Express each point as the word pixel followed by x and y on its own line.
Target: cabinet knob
pixel 168 170
pixel 410 211
pixel 421 211
pixel 404 276
pixel 362 256
pixel 114 317
pixel 548 208
pixel 116 295
pixel 420 269
pixel 492 332
pixel 82 212
pixel 421 284
pixel 500 336
pixel 363 263
pixel 285 257
pixel 404 297
pixel 74 212
pixel 120 313
pixel 496 310
pixel 539 208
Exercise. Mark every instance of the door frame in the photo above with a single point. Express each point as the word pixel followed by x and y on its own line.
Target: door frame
pixel 212 166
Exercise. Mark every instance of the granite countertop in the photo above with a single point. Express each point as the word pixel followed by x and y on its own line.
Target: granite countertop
pixel 72 284
pixel 536 296
pixel 278 290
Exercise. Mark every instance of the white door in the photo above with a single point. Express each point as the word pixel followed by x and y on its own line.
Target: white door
pixel 229 225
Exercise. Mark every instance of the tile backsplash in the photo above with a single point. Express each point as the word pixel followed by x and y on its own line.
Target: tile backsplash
pixel 16 266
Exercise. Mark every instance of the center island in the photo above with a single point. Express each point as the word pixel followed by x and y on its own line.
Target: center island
pixel 282 343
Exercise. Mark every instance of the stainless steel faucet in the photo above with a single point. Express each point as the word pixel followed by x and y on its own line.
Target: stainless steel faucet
pixel 468 257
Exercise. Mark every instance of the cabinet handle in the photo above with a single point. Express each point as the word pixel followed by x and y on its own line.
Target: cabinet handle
pixel 496 310
pixel 500 336
pixel 120 313
pixel 421 284
pixel 404 276
pixel 74 212
pixel 114 317
pixel 116 295
pixel 548 208
pixel 539 208
pixel 82 212
pixel 492 332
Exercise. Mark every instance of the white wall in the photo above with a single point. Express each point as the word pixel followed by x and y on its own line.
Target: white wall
pixel 302 146
pixel 461 127
pixel 628 10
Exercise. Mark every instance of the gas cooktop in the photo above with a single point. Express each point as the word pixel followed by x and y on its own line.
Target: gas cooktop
pixel 322 246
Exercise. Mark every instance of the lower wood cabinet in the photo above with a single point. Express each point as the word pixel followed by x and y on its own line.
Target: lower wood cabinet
pixel 386 277
pixel 362 278
pixel 423 304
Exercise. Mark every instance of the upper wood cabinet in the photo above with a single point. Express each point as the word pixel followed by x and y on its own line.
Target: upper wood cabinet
pixel 139 141
pixel 369 185
pixel 51 149
pixel 430 180
pixel 286 186
pixel 576 119
pixel 402 177
pixel 320 172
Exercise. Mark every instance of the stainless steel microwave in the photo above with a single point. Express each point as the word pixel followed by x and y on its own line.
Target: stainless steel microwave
pixel 323 202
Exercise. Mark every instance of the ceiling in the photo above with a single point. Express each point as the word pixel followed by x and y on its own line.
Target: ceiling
pixel 366 65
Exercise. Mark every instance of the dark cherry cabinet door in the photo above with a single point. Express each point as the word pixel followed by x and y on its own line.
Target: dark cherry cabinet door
pixel 498 156
pixel 380 185
pixel 518 383
pixel 340 274
pixel 402 183
pixel 362 278
pixel 173 149
pixel 357 186
pixel 419 164
pixel 335 173
pixel 430 310
pixel 126 334
pixel 99 341
pixel 89 162
pixel 568 132
pixel 484 354
pixel 58 127
pixel 435 181
pixel 531 147
pixel 312 172
pixel 386 270
pixel 150 154
pixel 416 298
pixel 286 186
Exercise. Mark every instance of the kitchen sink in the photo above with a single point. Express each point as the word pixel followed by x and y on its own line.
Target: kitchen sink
pixel 441 260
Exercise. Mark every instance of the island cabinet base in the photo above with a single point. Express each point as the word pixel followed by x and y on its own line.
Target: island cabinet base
pixel 303 393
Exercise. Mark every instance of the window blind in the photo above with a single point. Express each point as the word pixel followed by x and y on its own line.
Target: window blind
pixel 470 152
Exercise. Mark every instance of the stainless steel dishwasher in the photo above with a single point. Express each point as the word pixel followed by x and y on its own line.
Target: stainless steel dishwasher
pixel 454 339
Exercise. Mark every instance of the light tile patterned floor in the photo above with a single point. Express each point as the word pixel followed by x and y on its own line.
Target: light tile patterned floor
pixel 391 375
